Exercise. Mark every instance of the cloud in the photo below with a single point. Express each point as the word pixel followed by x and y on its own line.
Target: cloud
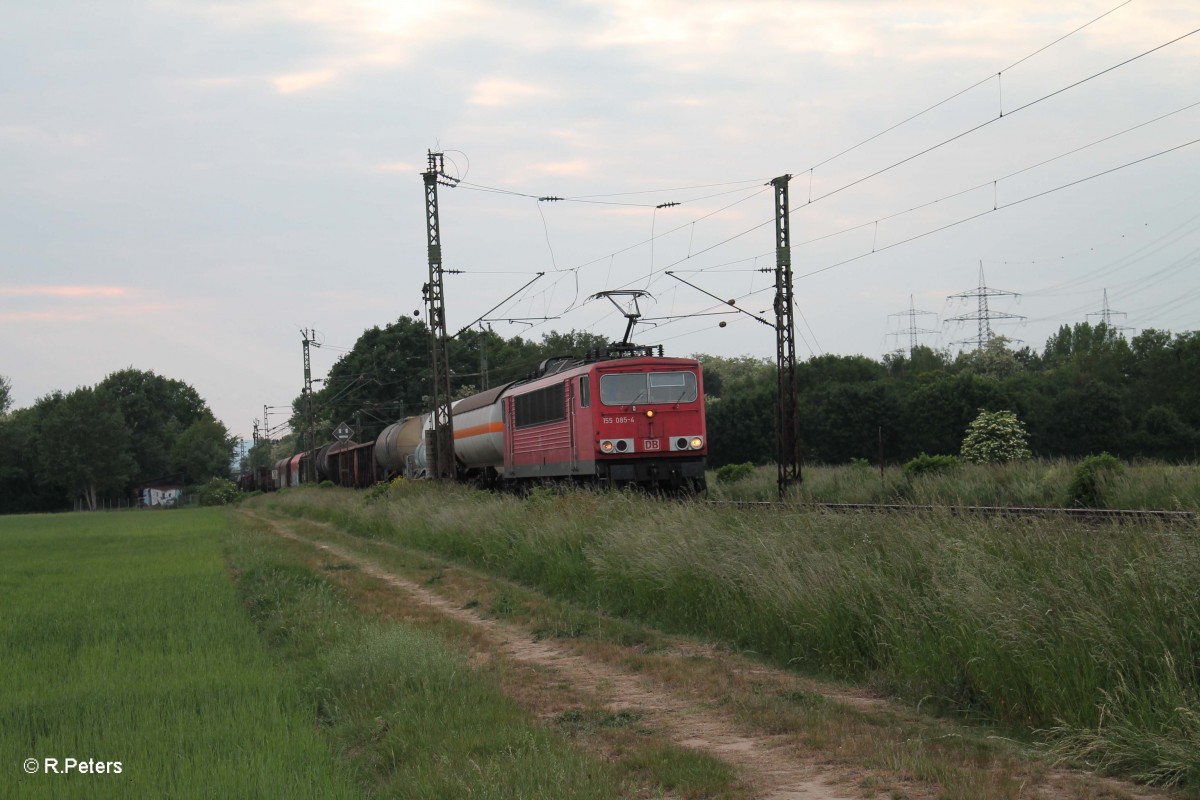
pixel 91 314
pixel 63 291
pixel 576 167
pixel 30 134
pixel 78 303
pixel 303 81
pixel 505 92
pixel 46 316
pixel 401 167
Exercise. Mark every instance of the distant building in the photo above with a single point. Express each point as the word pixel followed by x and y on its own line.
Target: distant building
pixel 164 492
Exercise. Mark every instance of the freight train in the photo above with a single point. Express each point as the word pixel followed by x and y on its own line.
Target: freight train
pixel 620 416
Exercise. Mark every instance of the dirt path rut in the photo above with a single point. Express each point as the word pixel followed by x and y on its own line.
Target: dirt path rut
pixel 773 768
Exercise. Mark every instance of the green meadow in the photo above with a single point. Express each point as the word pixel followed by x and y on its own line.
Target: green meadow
pixel 174 657
pixel 122 640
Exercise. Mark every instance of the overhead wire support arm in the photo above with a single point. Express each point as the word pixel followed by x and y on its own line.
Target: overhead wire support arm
pixel 530 321
pixel 483 316
pixel 730 303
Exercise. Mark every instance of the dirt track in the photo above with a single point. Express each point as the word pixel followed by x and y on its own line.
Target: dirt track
pixel 769 765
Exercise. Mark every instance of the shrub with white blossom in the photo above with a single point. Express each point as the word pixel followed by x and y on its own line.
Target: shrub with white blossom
pixel 995 437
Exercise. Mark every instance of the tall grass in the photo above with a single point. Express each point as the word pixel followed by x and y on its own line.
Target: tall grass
pixel 1036 482
pixel 1086 636
pixel 121 640
pixel 400 705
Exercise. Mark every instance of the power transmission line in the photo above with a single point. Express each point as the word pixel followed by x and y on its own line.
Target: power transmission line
pixel 983 315
pixel 912 330
pixel 1106 315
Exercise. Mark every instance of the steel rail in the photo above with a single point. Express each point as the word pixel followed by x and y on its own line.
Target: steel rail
pixel 1094 514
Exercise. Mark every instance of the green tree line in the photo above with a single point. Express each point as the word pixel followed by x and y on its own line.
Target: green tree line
pixel 95 442
pixel 1089 390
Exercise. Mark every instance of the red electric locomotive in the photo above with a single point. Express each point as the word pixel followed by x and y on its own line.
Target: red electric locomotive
pixel 625 415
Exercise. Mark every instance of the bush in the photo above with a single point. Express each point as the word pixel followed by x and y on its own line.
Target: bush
pixel 925 464
pixel 325 485
pixel 994 438
pixel 217 492
pixel 1086 489
pixel 732 473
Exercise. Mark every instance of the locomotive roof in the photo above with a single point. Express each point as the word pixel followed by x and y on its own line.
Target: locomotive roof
pixel 562 364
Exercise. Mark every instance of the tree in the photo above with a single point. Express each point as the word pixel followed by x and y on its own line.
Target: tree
pixel 573 343
pixel 995 437
pixel 940 406
pixel 84 444
pixel 21 491
pixel 1162 433
pixel 920 360
pixel 741 426
pixel 829 369
pixel 203 451
pixel 156 410
pixel 5 395
pixel 842 422
pixel 994 360
pixel 1091 352
pixel 1087 419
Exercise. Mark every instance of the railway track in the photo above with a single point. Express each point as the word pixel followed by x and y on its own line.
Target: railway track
pixel 1135 516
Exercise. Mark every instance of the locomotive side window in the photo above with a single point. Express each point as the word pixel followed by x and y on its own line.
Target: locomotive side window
pixel 585 392
pixel 542 406
pixel 631 388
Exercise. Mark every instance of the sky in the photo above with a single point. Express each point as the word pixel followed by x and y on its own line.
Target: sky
pixel 187 185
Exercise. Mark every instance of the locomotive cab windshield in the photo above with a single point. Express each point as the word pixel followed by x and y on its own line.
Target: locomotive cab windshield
pixel 647 388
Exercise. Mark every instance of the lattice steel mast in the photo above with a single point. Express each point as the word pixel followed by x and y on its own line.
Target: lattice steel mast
pixel 441 449
pixel 309 424
pixel 1106 315
pixel 912 330
pixel 787 438
pixel 983 315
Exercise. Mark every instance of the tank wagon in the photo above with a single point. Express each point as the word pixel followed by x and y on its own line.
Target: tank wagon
pixel 619 416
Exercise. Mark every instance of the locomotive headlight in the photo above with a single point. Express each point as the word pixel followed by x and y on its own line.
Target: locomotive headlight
pixel 606 446
pixel 650 413
pixel 696 443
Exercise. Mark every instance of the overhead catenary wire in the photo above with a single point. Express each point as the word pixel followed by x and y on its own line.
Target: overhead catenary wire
pixel 1037 195
pixel 997 118
pixel 1001 208
pixel 960 135
pixel 961 92
pixel 996 204
pixel 956 194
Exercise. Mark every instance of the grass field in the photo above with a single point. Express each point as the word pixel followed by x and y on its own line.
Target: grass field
pixel 191 660
pixel 121 640
pixel 1083 637
pixel 1036 482
pixel 402 707
pixel 219 662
